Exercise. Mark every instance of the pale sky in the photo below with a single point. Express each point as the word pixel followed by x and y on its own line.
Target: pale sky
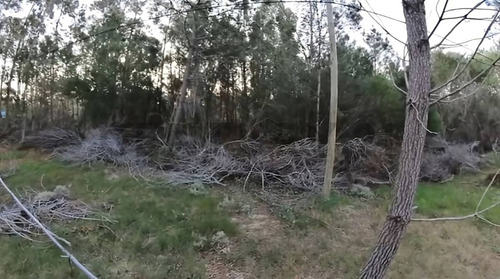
pixel 467 30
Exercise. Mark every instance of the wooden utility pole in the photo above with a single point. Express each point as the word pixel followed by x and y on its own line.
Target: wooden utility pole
pixel 330 158
pixel 417 109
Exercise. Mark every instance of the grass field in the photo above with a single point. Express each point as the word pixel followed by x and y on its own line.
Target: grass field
pixel 162 232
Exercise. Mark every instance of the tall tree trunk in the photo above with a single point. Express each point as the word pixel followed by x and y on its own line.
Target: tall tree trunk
pixel 318 96
pixel 14 61
pixel 182 96
pixel 318 90
pixel 417 107
pixel 25 113
pixel 2 76
pixel 332 133
pixel 244 106
pixel 9 86
pixel 51 89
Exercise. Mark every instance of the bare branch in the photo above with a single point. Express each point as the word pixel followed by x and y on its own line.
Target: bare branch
pixel 466 84
pixel 397 87
pixel 421 122
pixel 471 58
pixel 440 19
pixel 369 12
pixel 464 17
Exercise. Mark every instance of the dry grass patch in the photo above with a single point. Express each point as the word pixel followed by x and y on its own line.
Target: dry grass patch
pixel 337 245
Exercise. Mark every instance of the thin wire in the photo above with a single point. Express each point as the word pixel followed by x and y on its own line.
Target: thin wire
pixel 470 49
pixel 381 25
pixel 49 234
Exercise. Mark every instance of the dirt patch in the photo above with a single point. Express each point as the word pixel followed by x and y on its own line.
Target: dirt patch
pixel 217 268
pixel 260 224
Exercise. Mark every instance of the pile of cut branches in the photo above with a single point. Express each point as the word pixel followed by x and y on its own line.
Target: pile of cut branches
pixel 103 145
pixel 47 206
pixel 367 163
pixel 299 165
pixel 51 139
pixel 440 164
pixel 196 162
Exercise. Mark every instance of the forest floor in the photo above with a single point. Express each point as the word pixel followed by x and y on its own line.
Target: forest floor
pixel 224 232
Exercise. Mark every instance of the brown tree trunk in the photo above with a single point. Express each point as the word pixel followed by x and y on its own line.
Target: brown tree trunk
pixel 417 107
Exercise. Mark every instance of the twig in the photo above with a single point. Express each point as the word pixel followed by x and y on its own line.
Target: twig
pixel 466 84
pixel 470 60
pixel 420 121
pixel 487 188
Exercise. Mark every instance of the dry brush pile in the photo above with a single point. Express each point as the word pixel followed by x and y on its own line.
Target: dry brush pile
pixel 47 207
pixel 101 145
pixel 298 165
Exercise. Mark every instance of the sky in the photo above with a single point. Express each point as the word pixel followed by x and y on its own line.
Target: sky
pixel 468 30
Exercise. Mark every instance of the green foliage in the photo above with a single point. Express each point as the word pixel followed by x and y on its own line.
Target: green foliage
pixel 435 124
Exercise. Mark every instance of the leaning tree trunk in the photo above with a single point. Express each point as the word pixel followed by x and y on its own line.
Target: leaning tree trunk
pixel 417 107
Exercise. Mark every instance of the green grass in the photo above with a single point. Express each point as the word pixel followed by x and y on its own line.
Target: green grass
pixel 154 237
pixel 12 154
pixel 457 197
pixel 163 232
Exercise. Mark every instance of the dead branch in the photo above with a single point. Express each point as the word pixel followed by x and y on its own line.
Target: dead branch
pixel 470 59
pixel 51 139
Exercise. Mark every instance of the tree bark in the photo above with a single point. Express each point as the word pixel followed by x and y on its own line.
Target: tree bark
pixel 417 107
pixel 182 96
pixel 318 96
pixel 318 90
pixel 330 159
